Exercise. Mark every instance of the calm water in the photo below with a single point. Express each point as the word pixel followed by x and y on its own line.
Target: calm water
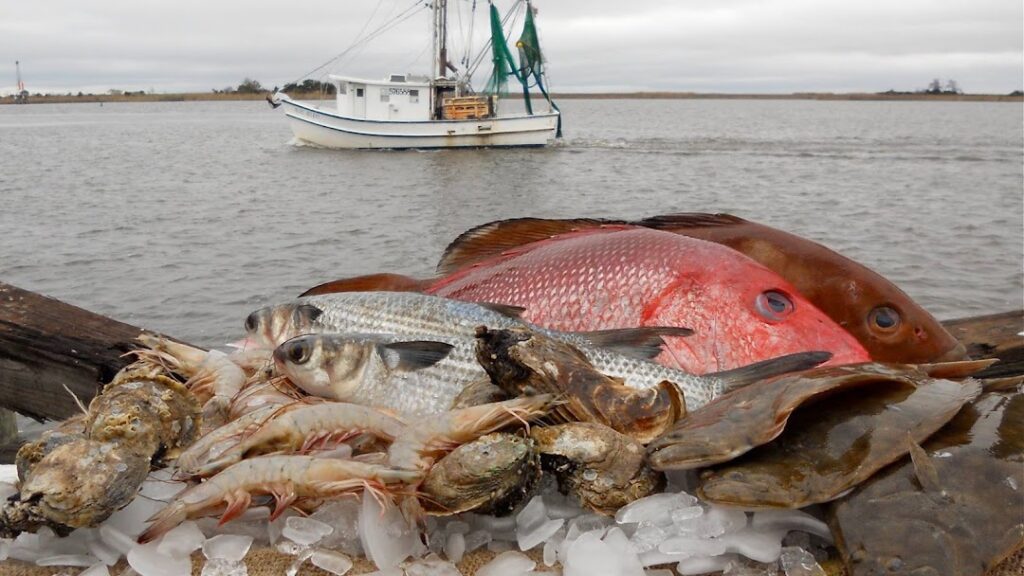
pixel 184 217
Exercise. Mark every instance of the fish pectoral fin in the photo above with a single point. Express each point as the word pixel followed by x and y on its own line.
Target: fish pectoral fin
pixel 504 309
pixel 690 220
pixel 413 355
pixel 369 283
pixel 491 239
pixel 745 375
pixel 644 343
pixel 924 468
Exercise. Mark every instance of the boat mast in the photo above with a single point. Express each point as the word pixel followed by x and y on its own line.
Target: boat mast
pixel 21 96
pixel 441 37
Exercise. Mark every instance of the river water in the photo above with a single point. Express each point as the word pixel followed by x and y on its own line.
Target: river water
pixel 184 217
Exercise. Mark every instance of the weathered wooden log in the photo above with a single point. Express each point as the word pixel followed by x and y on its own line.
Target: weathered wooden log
pixel 993 336
pixel 46 344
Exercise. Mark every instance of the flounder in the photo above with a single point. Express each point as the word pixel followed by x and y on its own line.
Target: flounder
pixel 756 414
pixel 835 443
pixel 954 508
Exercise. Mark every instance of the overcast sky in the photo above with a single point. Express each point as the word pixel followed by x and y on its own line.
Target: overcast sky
pixel 743 46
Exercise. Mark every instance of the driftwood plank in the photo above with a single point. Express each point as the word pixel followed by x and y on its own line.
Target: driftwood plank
pixel 993 336
pixel 46 344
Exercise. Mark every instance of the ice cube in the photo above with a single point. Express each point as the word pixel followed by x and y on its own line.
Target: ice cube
pixel 529 539
pixel 116 539
pixel 222 567
pixel 685 518
pixel 763 546
pixel 590 555
pixel 551 552
pixel 304 554
pixel 492 523
pixel 182 540
pixel 97 569
pixel 648 537
pixel 455 547
pixel 134 518
pixel 162 491
pixel 532 515
pixel 305 531
pixel 456 527
pixel 477 539
pixel 617 539
pixel 791 520
pixel 67 560
pixel 510 563
pixel 747 567
pixel 499 546
pixel 431 567
pixel 343 516
pixel 275 528
pixel 385 534
pixel 106 553
pixel 334 562
pixel 147 561
pixel 688 546
pixel 655 509
pixel 703 564
pixel 230 547
pixel 799 562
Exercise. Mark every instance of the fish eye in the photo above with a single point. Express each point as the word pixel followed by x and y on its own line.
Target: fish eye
pixel 298 352
pixel 252 322
pixel 884 318
pixel 774 305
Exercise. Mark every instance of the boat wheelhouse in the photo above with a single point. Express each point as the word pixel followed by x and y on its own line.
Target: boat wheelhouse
pixel 409 111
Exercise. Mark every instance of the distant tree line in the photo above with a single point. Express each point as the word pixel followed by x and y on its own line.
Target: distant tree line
pixel 310 86
pixel 251 86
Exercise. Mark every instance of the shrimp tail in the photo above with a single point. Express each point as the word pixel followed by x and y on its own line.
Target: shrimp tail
pixel 163 521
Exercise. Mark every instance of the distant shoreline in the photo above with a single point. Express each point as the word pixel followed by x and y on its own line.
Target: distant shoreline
pixel 865 96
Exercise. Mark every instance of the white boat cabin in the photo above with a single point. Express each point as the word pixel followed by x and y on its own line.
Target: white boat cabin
pixel 403 97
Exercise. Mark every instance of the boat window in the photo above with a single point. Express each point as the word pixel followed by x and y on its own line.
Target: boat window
pixel 384 97
pixel 397 78
pixel 414 96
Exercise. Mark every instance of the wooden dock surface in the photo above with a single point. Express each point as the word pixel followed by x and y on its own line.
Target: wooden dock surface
pixel 46 344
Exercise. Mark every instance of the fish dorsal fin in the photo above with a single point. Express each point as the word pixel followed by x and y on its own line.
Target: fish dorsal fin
pixel 690 220
pixel 746 375
pixel 369 283
pixel 644 343
pixel 414 354
pixel 504 309
pixel 493 238
pixel 924 468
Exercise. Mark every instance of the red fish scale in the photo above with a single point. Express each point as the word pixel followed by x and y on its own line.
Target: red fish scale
pixel 619 278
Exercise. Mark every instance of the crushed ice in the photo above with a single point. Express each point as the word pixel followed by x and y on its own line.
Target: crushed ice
pixel 672 528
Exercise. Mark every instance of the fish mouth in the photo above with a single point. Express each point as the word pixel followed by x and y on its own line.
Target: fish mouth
pixel 958 352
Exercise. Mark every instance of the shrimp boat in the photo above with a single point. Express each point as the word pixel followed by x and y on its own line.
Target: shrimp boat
pixel 441 109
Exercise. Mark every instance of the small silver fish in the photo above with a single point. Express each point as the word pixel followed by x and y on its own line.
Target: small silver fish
pixel 410 316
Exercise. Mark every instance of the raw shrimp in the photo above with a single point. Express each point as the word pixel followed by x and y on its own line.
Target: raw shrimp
pixel 418 446
pixel 212 376
pixel 307 427
pixel 285 478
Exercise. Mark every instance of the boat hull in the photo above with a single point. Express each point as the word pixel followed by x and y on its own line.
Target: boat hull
pixel 324 128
